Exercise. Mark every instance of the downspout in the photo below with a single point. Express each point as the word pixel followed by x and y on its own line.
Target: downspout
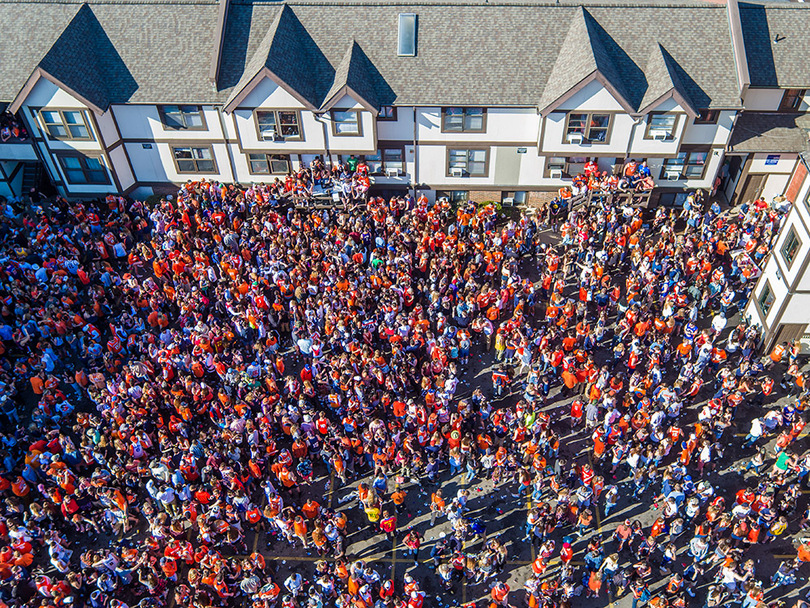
pixel 219 112
pixel 415 176
pixel 319 117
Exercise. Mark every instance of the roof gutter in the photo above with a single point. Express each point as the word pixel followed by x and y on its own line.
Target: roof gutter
pixel 738 45
pixel 216 60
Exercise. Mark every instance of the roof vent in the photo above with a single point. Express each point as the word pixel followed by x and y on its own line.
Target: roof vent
pixel 406 43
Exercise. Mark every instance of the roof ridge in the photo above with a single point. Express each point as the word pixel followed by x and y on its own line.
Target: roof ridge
pixel 563 4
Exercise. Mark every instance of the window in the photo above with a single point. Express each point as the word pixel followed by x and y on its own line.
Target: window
pixel 554 165
pixel 791 247
pixel 687 165
pixel 346 122
pixel 462 163
pixel 80 169
pixel 275 124
pixel 661 126
pixel 463 120
pixel 385 160
pixel 766 299
pixel 65 124
pixel 454 196
pixel 406 35
pixel 707 117
pixel 393 160
pixel 182 117
pixel 194 160
pixel 519 198
pixel 593 128
pixel 387 113
pixel 792 100
pixel 269 164
pixel 374 162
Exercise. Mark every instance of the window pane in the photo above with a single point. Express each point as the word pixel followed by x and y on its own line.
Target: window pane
pixel 476 168
pixel 279 164
pixel 78 131
pixel 453 119
pixel 766 299
pixel 97 177
pixel 387 112
pixel 93 164
pixel 73 118
pixel 192 116
pixel 51 117
pixel 186 166
pixel 477 162
pixel 201 152
pixel 205 165
pixel 182 153
pixel 267 124
pixel 374 162
pixel 474 119
pixel 289 124
pixel 71 162
pixel 662 122
pixel 577 122
pixel 258 163
pixel 75 177
pixel 173 117
pixel 695 163
pixel 393 159
pixel 346 122
pixel 600 120
pixel 406 39
pixel 458 158
pixel 791 247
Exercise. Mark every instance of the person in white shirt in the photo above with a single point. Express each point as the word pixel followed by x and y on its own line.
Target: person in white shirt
pixel 755 433
pixel 719 322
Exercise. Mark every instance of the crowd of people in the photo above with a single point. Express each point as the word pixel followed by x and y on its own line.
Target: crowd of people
pixel 173 374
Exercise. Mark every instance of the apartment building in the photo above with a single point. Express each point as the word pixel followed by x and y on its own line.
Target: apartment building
pixel 780 302
pixel 487 100
pixel 772 130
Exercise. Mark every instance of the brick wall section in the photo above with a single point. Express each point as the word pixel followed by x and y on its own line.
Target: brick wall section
pixel 796 182
pixel 482 196
pixel 535 198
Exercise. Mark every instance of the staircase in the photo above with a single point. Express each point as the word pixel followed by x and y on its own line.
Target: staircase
pixel 32 171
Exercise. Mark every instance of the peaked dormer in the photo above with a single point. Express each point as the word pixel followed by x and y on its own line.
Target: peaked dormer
pixel 355 77
pixel 664 82
pixel 583 58
pixel 83 62
pixel 288 56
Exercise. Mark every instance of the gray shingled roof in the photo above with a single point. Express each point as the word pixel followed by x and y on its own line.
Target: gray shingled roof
pixel 771 63
pixel 583 54
pixel 356 72
pixel 470 53
pixel 663 76
pixel 769 132
pixel 152 51
pixel 290 53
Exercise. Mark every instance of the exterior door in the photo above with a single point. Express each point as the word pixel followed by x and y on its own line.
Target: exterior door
pixel 787 332
pixel 752 187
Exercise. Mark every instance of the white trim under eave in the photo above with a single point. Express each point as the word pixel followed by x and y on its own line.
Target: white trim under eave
pixel 598 77
pixel 35 77
pixel 347 90
pixel 265 72
pixel 671 94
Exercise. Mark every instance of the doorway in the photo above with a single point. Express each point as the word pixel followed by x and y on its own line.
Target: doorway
pixel 752 187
